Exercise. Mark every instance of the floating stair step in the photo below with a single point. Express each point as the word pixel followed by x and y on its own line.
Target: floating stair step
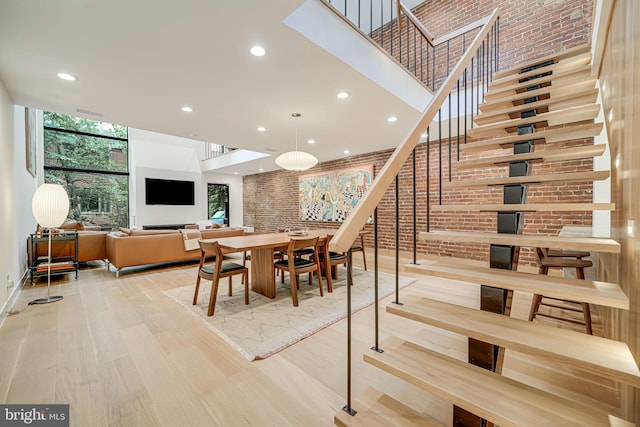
pixel 530 179
pixel 497 399
pixel 556 57
pixel 607 358
pixel 574 153
pixel 564 116
pixel 566 89
pixel 590 244
pixel 591 291
pixel 557 134
pixel 385 412
pixel 557 67
pixel 525 207
pixel 551 104
pixel 564 77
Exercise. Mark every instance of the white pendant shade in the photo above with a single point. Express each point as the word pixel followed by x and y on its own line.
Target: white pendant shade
pixel 296 160
pixel 50 205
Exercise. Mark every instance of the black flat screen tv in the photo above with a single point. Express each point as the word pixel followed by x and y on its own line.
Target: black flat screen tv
pixel 169 192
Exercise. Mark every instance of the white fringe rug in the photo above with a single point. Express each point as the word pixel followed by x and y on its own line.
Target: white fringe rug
pixel 267 326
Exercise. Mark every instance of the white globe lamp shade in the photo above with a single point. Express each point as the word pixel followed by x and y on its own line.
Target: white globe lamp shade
pixel 296 161
pixel 50 205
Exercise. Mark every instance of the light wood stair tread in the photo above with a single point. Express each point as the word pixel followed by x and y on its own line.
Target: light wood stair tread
pixel 601 356
pixel 550 135
pixel 591 291
pixel 552 118
pixel 530 179
pixel 573 153
pixel 524 207
pixel 385 412
pixel 573 75
pixel 575 61
pixel 552 104
pixel 493 397
pixel 575 85
pixel 556 57
pixel 591 244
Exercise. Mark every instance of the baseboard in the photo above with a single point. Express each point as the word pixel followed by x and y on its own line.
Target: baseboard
pixel 12 298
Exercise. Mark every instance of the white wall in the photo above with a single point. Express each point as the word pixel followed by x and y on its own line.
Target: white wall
pixel 155 155
pixel 16 189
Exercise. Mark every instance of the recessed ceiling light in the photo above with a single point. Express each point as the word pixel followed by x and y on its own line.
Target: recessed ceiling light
pixel 262 129
pixel 343 95
pixel 187 109
pixel 65 76
pixel 424 135
pixel 235 173
pixel 258 51
pixel 392 119
pixel 261 170
pixel 346 151
pixel 311 141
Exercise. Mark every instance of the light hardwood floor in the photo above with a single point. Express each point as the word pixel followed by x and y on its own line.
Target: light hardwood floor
pixel 123 354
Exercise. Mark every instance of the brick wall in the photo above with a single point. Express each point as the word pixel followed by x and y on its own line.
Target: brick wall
pixel 270 199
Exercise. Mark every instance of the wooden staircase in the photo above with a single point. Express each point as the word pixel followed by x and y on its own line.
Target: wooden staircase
pixel 565 111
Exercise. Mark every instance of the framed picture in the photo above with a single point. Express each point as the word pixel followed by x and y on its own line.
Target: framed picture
pixel 330 196
pixel 30 139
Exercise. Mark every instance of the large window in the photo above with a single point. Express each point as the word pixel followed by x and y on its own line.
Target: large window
pixel 90 159
pixel 218 202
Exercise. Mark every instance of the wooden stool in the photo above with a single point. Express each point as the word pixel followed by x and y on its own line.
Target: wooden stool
pixel 562 259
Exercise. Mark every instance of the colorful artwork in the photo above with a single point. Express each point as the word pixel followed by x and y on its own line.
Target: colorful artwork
pixel 331 195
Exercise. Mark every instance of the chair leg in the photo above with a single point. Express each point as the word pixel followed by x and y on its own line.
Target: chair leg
pixel 245 277
pixel 293 278
pixel 535 305
pixel 195 295
pixel 230 286
pixel 213 297
pixel 319 274
pixel 364 259
pixel 328 276
pixel 586 312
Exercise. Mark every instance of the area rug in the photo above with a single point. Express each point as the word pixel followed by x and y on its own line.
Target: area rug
pixel 267 326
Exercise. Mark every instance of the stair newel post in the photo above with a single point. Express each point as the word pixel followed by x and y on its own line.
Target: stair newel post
pixel 440 155
pixel 449 118
pixel 376 346
pixel 428 154
pixel 347 408
pixel 415 209
pixel 397 193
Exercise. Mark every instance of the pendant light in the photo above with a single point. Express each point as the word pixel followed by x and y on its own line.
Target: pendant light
pixel 296 160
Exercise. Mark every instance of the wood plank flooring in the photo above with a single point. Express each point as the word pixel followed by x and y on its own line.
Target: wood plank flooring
pixel 123 354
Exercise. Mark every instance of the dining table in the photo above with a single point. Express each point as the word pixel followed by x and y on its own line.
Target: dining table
pixel 263 248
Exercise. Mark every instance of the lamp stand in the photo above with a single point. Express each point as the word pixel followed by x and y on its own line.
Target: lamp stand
pixel 49 298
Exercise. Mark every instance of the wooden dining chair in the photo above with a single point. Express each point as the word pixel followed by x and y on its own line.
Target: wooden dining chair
pixel 330 260
pixel 295 265
pixel 549 258
pixel 216 271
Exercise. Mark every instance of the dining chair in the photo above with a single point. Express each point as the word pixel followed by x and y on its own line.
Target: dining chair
pixel 216 271
pixel 550 258
pixel 296 265
pixel 330 260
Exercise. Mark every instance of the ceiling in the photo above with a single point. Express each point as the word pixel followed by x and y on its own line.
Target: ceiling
pixel 138 62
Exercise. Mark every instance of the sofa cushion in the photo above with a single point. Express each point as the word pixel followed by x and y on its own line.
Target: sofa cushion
pixel 72 225
pixel 152 232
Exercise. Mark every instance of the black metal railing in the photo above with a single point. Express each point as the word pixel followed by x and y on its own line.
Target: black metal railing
pixel 432 61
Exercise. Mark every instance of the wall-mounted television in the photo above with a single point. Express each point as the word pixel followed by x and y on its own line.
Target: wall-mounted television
pixel 169 192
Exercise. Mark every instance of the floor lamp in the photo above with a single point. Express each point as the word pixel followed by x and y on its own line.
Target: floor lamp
pixel 50 206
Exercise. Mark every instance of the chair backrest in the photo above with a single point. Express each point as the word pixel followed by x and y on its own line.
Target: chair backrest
pixel 209 248
pixel 302 243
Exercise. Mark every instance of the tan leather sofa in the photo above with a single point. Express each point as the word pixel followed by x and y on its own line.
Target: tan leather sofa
pixel 141 247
